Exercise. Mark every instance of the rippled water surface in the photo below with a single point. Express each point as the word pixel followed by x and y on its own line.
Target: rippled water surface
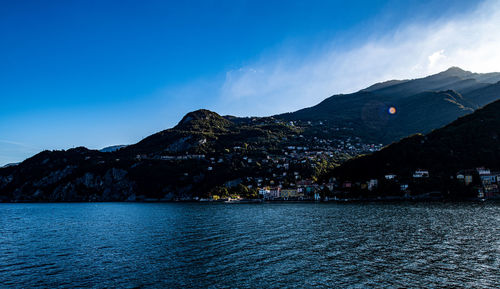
pixel 129 245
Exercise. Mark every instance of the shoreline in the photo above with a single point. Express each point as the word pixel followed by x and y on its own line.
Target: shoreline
pixel 259 201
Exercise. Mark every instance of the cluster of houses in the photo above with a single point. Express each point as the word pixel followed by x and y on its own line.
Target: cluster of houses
pixel 487 184
pixel 278 170
pixel 369 185
pixel 309 190
pixel 283 164
pixel 182 157
pixel 489 181
pixel 304 190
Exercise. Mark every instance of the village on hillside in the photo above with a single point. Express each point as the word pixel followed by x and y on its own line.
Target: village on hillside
pixel 482 182
pixel 291 170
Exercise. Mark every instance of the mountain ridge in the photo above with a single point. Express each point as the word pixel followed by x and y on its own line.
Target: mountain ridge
pixel 366 109
pixel 205 152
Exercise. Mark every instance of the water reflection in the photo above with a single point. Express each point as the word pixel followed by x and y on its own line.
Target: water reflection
pixel 249 246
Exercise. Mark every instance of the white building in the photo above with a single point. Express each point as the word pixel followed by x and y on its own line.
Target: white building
pixel 390 176
pixel 421 174
pixel 265 192
pixel 483 171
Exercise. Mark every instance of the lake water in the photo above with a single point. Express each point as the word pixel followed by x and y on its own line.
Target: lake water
pixel 287 245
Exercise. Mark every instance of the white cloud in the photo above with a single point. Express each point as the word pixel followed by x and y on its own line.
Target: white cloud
pixel 435 57
pixel 281 83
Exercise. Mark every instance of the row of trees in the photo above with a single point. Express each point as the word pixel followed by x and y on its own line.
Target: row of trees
pixel 240 191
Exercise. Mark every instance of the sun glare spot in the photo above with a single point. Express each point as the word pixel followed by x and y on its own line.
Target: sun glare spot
pixel 392 110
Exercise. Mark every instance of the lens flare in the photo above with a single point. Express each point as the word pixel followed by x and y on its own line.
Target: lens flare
pixel 392 110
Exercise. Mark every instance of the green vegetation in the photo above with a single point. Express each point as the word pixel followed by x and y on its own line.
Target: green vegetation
pixel 240 191
pixel 469 142
pixel 208 155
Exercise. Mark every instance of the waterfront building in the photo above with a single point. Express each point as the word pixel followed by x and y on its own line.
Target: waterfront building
pixel 488 179
pixel 274 192
pixel 465 176
pixel 372 184
pixel 421 174
pixel 483 171
pixel 468 180
pixel 290 193
pixel 330 186
pixel 265 193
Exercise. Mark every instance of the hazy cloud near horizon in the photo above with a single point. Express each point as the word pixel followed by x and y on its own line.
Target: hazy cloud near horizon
pixel 281 82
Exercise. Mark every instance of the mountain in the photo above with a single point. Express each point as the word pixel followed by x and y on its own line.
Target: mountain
pixel 467 143
pixel 10 165
pixel 112 148
pixel 206 154
pixel 203 152
pixel 421 105
pixel 485 94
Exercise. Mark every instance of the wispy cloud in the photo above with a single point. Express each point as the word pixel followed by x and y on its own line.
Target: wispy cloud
pixel 17 144
pixel 281 83
pixel 11 142
pixel 14 151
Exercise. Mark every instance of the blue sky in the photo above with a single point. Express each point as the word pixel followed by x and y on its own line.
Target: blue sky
pixel 99 73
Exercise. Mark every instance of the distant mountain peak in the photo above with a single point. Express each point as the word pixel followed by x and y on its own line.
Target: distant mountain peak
pixel 489 78
pixel 112 148
pixel 455 69
pixel 202 119
pixel 200 114
pixel 457 72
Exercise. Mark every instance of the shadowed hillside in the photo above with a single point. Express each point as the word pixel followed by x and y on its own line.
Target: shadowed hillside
pixel 467 143
pixel 207 154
